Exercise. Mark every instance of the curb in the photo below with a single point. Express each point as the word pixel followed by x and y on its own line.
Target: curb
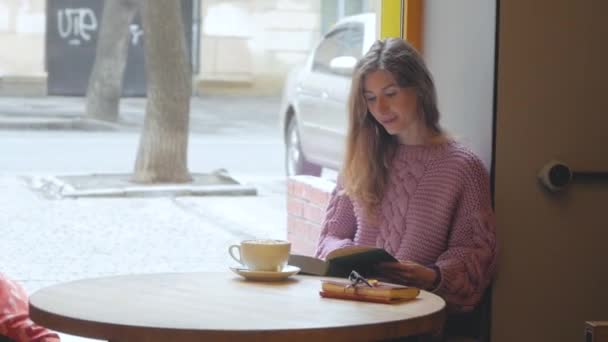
pixel 54 188
pixel 56 124
pixel 161 191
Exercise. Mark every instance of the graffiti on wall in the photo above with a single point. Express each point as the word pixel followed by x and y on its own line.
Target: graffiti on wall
pixel 78 25
pixel 136 32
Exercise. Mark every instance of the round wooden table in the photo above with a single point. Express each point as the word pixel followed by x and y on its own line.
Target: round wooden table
pixel 224 307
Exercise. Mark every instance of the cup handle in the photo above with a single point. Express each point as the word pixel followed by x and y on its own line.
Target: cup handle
pixel 231 252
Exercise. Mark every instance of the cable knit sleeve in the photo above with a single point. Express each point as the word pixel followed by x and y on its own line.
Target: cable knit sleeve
pixel 468 265
pixel 339 225
pixel 14 316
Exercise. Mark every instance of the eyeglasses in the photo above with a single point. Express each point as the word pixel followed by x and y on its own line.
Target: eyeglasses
pixel 355 279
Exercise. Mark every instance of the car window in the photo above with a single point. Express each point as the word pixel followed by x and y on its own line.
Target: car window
pixel 346 40
pixel 353 41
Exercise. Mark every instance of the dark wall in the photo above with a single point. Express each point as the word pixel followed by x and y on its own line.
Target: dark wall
pixel 72 32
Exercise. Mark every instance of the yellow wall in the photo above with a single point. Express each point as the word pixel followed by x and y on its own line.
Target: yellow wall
pixel 391 19
pixel 402 18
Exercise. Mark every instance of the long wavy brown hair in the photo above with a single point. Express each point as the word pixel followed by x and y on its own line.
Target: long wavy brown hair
pixel 369 148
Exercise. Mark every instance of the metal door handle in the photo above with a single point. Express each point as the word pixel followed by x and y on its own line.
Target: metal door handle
pixel 556 175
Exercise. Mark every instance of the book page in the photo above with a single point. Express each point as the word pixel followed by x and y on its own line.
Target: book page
pixel 308 265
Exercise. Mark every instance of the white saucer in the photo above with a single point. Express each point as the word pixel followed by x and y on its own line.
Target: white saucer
pixel 287 272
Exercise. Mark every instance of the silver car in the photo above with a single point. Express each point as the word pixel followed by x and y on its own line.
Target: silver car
pixel 314 104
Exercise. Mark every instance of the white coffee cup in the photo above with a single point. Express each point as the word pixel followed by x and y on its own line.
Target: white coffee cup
pixel 262 254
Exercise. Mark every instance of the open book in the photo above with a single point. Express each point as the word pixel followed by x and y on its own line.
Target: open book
pixel 340 262
pixel 379 292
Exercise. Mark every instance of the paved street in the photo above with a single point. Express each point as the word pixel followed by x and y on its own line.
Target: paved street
pixel 210 115
pixel 45 241
pixel 82 152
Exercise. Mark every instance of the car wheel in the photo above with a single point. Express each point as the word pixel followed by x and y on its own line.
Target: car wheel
pixel 295 162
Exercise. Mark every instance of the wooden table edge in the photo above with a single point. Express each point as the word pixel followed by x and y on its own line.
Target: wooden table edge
pixel 116 332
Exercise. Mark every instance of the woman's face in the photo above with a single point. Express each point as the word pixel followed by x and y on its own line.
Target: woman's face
pixel 395 108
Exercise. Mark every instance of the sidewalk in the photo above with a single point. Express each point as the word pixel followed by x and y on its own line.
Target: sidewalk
pixel 48 241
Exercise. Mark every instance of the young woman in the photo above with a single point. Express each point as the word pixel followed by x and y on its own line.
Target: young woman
pixel 407 187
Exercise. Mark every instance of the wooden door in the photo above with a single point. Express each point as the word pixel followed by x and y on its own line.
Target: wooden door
pixel 551 104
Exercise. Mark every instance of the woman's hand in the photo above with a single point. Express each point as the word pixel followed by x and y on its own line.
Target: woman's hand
pixel 408 273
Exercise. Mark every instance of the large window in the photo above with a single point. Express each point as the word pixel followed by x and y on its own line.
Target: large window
pixel 69 206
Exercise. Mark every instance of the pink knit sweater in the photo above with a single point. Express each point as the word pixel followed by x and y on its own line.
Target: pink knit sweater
pixel 436 211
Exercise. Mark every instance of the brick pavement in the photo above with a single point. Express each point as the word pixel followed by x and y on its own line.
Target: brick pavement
pixel 47 241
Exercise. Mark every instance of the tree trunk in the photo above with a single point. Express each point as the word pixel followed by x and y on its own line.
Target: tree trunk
pixel 105 82
pixel 163 148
